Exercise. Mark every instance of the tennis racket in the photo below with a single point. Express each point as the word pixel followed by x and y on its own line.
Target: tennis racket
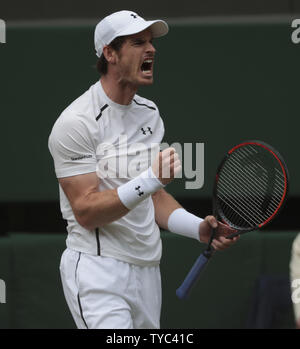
pixel 250 188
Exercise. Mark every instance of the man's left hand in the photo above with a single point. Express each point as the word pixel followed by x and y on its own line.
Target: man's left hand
pixel 222 230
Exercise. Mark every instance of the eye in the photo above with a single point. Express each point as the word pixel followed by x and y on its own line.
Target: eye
pixel 138 42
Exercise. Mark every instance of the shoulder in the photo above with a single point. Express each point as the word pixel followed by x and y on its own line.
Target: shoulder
pixel 142 102
pixel 70 130
pixel 78 117
pixel 83 109
pixel 69 120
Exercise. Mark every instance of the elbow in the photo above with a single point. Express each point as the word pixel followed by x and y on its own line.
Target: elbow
pixel 84 222
pixel 82 216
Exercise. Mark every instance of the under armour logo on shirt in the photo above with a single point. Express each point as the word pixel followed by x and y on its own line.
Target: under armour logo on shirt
pixel 147 130
pixel 134 16
pixel 140 193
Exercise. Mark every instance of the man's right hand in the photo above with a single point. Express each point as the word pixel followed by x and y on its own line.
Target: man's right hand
pixel 166 165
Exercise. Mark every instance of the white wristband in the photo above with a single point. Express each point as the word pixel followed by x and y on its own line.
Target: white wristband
pixel 184 223
pixel 139 188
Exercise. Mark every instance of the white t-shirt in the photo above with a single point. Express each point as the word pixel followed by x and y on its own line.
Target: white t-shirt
pixel 95 134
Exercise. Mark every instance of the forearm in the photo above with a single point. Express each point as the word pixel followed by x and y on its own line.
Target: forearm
pixel 164 205
pixel 94 209
pixel 99 208
pixel 171 216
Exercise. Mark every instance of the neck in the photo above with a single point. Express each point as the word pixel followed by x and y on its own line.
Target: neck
pixel 118 92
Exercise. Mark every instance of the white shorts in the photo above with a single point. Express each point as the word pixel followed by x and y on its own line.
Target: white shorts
pixel 104 292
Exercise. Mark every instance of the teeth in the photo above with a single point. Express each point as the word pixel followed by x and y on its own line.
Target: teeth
pixel 147 61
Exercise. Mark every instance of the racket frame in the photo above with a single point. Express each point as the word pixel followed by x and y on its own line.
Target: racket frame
pixel 184 290
pixel 218 213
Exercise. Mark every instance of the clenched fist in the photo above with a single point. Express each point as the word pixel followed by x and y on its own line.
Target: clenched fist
pixel 166 165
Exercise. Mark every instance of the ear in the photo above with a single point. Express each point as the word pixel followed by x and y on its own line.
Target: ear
pixel 109 54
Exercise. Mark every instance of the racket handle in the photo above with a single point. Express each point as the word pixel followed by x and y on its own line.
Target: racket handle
pixel 192 277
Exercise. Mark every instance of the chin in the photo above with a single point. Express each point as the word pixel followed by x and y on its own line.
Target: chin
pixel 146 82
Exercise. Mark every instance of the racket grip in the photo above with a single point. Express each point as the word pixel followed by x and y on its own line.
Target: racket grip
pixel 192 277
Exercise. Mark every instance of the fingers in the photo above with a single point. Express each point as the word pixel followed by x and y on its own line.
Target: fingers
pixel 222 243
pixel 225 230
pixel 176 167
pixel 170 162
pixel 211 220
pixel 222 229
pixel 167 165
pixel 169 156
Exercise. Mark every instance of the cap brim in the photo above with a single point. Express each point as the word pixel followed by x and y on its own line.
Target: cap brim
pixel 158 28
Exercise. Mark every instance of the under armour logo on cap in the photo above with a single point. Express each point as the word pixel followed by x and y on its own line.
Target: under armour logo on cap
pixel 121 24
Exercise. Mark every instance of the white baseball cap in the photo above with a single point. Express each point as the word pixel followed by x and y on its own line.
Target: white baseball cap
pixel 125 23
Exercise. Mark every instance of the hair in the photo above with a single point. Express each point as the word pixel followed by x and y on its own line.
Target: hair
pixel 116 45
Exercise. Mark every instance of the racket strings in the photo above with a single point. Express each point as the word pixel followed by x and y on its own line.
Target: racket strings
pixel 258 189
pixel 237 184
pixel 245 197
pixel 250 186
pixel 242 202
pixel 279 174
pixel 248 204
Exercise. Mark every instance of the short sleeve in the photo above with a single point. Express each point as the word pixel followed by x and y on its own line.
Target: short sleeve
pixel 161 126
pixel 71 146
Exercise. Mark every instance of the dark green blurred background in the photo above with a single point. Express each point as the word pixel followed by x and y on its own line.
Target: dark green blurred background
pixel 216 84
pixel 227 71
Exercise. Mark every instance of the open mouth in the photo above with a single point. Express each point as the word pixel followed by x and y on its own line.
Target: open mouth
pixel 146 67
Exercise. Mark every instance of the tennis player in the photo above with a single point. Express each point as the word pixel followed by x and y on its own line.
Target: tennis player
pixel 110 268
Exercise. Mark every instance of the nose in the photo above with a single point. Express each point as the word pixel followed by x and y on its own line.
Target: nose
pixel 151 48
